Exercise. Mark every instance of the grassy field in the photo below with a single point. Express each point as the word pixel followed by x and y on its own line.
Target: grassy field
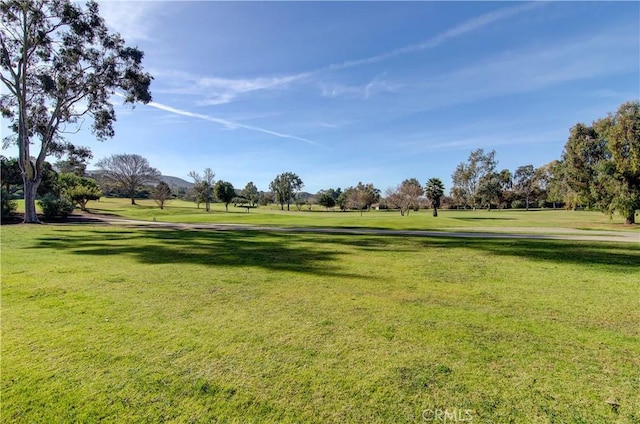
pixel 102 323
pixel 187 212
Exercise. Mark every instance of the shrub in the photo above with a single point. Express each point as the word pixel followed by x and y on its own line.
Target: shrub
pixel 55 207
pixel 8 205
pixel 518 204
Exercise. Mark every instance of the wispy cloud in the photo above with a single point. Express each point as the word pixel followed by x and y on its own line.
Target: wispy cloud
pixel 601 55
pixel 216 91
pixel 223 90
pixel 464 28
pixel 228 124
pixel 365 91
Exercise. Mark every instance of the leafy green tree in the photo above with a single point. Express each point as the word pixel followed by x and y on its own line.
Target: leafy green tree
pixel 489 189
pixel 76 160
pixel 505 180
pixel 224 192
pixel 548 184
pixel 8 205
pixel 161 194
pixel 60 65
pixel 583 151
pixel 285 187
pixel 602 162
pixel 55 206
pixel 617 186
pixel 466 177
pixel 525 180
pixel 434 191
pixel 11 174
pixel 326 199
pixel 203 187
pixel 250 192
pixel 128 172
pixel 79 190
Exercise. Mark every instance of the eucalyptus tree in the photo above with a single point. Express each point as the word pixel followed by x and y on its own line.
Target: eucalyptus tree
pixel 60 66
pixel 617 185
pixel 76 160
pixel 285 187
pixel 467 175
pixel 582 152
pixel 552 181
pixel 525 180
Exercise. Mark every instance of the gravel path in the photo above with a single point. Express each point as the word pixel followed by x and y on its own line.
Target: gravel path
pixel 477 232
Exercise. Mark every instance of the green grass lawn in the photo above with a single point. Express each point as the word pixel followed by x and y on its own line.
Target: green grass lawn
pixel 187 212
pixel 102 323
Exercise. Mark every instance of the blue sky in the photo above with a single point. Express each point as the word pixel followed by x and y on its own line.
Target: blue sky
pixel 341 92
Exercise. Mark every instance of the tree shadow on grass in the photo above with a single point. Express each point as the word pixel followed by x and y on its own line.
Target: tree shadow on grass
pixel 482 218
pixel 316 253
pixel 621 258
pixel 624 257
pixel 270 251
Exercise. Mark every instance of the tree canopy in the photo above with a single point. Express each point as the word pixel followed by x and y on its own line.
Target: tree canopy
pixel 128 172
pixel 467 176
pixel 250 192
pixel 603 161
pixel 285 187
pixel 79 190
pixel 224 192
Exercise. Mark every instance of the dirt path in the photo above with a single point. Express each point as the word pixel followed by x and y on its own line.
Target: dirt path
pixel 478 232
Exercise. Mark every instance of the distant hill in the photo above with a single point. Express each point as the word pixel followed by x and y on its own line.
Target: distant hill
pixel 174 182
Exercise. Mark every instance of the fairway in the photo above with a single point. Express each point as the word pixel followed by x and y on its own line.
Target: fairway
pixel 497 220
pixel 154 325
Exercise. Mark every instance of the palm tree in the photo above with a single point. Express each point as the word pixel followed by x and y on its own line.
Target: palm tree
pixel 434 192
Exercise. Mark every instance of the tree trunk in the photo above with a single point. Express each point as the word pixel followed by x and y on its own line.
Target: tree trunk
pixel 207 206
pixel 435 211
pixel 133 200
pixel 631 218
pixel 30 189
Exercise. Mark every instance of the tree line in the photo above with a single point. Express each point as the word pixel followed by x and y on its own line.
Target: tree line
pixel 599 168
